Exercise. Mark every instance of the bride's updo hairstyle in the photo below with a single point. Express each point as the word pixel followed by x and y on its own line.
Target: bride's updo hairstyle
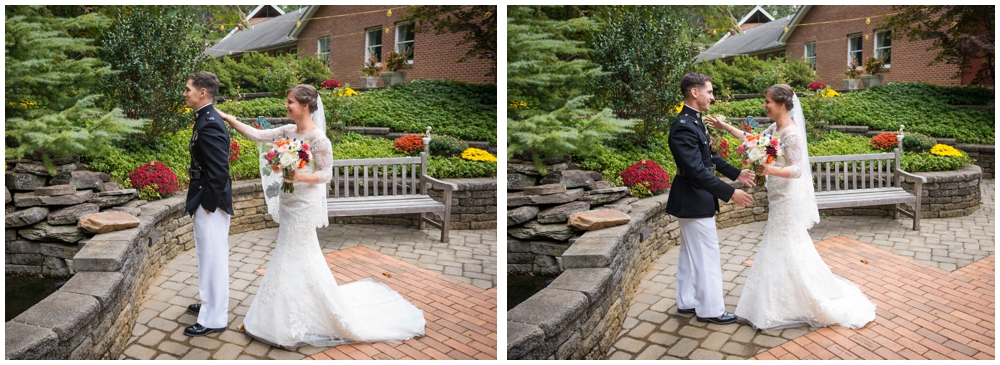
pixel 305 95
pixel 781 94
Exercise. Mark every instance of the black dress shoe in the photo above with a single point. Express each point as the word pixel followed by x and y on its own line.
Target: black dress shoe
pixel 198 330
pixel 685 311
pixel 194 308
pixel 725 318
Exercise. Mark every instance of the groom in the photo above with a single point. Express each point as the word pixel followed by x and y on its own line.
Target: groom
pixel 694 199
pixel 210 201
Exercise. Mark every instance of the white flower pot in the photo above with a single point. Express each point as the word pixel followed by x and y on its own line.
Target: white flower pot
pixel 369 82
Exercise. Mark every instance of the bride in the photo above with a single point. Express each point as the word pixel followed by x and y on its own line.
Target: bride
pixel 299 301
pixel 789 285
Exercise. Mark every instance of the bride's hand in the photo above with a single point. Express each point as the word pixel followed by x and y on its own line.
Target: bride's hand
pixel 715 123
pixel 290 177
pixel 226 117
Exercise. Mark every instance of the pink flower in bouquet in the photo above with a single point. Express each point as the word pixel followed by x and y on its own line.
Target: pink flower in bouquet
pixel 270 155
pixel 282 150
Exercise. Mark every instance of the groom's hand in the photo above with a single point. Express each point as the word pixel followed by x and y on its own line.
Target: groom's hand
pixel 741 198
pixel 746 177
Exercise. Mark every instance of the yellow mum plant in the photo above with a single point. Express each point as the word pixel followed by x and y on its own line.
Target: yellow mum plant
pixel 828 93
pixel 475 154
pixel 945 150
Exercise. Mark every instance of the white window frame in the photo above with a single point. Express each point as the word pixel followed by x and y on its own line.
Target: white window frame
pixel 319 50
pixel 293 50
pixel 879 47
pixel 859 51
pixel 805 54
pixel 402 42
pixel 279 52
pixel 368 44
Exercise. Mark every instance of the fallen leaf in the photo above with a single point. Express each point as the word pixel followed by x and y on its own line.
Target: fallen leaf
pixel 388 275
pixel 240 327
pixel 863 261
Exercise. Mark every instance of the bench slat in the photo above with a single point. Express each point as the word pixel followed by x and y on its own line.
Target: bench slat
pixel 376 161
pixel 844 158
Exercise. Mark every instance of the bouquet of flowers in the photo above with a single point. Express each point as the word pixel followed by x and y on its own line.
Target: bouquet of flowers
pixel 758 150
pixel 287 155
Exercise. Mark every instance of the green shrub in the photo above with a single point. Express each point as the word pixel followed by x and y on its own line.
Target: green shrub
pixel 261 72
pixel 918 142
pixel 926 162
pixel 447 146
pixel 750 75
pixel 466 111
pixel 173 152
pixel 352 145
pixel 262 107
pixel 457 168
pixel 839 143
pixel 920 107
pixel 739 109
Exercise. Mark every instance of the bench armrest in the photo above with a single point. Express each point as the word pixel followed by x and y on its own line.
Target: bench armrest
pixel 446 186
pixel 919 179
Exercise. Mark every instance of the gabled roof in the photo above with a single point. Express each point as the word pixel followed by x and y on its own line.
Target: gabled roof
pixel 796 19
pixel 264 35
pixel 261 8
pixel 754 40
pixel 309 11
pixel 754 11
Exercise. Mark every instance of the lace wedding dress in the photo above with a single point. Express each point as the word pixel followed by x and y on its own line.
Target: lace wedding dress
pixel 789 285
pixel 299 301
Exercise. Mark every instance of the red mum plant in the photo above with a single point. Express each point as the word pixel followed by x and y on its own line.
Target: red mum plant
pixel 816 85
pixel 234 151
pixel 155 175
pixel 410 144
pixel 648 174
pixel 885 141
pixel 331 84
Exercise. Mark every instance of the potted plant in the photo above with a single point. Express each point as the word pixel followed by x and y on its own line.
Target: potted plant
pixel 873 67
pixel 372 70
pixel 853 74
pixel 394 62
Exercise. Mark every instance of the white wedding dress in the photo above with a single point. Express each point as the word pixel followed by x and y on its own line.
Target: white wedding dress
pixel 299 301
pixel 789 285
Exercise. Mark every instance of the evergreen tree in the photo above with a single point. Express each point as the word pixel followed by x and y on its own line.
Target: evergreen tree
pixel 151 51
pixel 50 77
pixel 547 70
pixel 645 50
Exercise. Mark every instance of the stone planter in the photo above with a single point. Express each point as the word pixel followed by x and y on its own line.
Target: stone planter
pixel 390 78
pixel 871 80
pixel 369 82
pixel 851 84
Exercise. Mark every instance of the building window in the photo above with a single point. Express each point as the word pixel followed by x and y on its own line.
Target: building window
pixel 293 50
pixel 279 53
pixel 323 50
pixel 854 49
pixel 810 54
pixel 404 40
pixel 883 46
pixel 373 44
pixel 781 54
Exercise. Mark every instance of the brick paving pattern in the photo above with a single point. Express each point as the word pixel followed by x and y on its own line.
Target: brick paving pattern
pixel 466 266
pixel 654 330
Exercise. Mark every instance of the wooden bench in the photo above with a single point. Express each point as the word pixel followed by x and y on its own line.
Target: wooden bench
pixel 848 181
pixel 400 194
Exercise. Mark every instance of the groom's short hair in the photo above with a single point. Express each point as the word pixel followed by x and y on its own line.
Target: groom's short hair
pixel 206 80
pixel 692 80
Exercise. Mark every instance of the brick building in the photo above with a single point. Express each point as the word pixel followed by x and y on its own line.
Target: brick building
pixel 831 36
pixel 345 36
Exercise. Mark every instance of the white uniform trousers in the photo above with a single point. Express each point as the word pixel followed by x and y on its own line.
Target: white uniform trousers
pixel 699 270
pixel 211 240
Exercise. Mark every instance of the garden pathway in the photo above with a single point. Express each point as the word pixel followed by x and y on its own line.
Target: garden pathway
pixel 934 292
pixel 454 284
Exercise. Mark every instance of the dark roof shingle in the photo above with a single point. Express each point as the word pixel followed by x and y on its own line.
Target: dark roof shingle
pixel 266 34
pixel 759 38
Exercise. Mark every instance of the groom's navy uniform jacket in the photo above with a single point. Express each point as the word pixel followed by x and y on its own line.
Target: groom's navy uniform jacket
pixel 210 186
pixel 695 191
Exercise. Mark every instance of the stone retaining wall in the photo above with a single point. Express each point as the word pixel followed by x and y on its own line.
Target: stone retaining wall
pixel 580 314
pixel 92 315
